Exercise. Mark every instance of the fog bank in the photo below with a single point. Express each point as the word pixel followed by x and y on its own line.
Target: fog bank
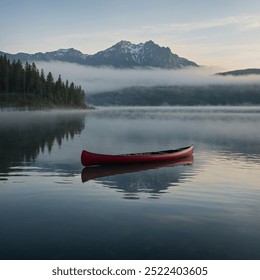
pixel 103 79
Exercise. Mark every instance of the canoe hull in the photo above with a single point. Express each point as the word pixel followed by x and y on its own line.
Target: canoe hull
pixel 88 158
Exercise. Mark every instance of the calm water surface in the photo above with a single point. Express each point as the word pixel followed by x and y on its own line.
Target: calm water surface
pixel 205 208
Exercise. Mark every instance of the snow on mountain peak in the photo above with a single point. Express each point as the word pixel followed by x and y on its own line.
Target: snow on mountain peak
pixel 135 51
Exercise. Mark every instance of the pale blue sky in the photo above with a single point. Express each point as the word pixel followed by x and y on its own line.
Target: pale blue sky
pixel 223 33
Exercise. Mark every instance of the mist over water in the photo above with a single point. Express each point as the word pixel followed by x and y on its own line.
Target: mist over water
pixel 154 128
pixel 12 117
pixel 102 79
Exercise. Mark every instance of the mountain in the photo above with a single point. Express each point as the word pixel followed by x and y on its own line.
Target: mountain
pixel 148 54
pixel 66 55
pixel 124 54
pixel 242 72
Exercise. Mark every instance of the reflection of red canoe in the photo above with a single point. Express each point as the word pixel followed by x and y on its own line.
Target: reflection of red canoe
pixel 93 172
pixel 89 159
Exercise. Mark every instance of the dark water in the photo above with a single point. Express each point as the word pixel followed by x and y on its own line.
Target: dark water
pixel 205 209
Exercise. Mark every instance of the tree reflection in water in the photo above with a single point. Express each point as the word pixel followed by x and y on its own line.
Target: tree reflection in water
pixel 24 135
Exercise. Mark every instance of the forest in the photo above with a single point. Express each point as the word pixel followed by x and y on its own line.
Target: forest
pixel 26 86
pixel 200 95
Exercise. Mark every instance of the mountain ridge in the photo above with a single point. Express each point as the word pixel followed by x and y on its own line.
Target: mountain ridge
pixel 123 54
pixel 241 72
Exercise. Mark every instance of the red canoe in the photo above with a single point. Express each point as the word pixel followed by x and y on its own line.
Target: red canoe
pixel 88 159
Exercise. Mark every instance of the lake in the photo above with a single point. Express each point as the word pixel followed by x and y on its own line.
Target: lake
pixel 205 208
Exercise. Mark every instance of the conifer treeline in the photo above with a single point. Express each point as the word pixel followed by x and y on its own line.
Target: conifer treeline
pixel 24 85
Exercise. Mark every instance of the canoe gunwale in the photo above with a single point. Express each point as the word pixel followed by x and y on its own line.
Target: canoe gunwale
pixel 164 152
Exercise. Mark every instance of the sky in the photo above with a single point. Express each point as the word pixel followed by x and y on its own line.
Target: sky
pixel 223 34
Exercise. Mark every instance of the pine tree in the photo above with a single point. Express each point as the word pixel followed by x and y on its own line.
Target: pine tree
pixel 50 86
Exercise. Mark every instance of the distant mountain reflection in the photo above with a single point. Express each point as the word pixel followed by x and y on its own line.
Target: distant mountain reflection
pixel 23 135
pixel 133 179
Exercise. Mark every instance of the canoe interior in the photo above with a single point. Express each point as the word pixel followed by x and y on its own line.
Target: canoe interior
pixel 157 153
